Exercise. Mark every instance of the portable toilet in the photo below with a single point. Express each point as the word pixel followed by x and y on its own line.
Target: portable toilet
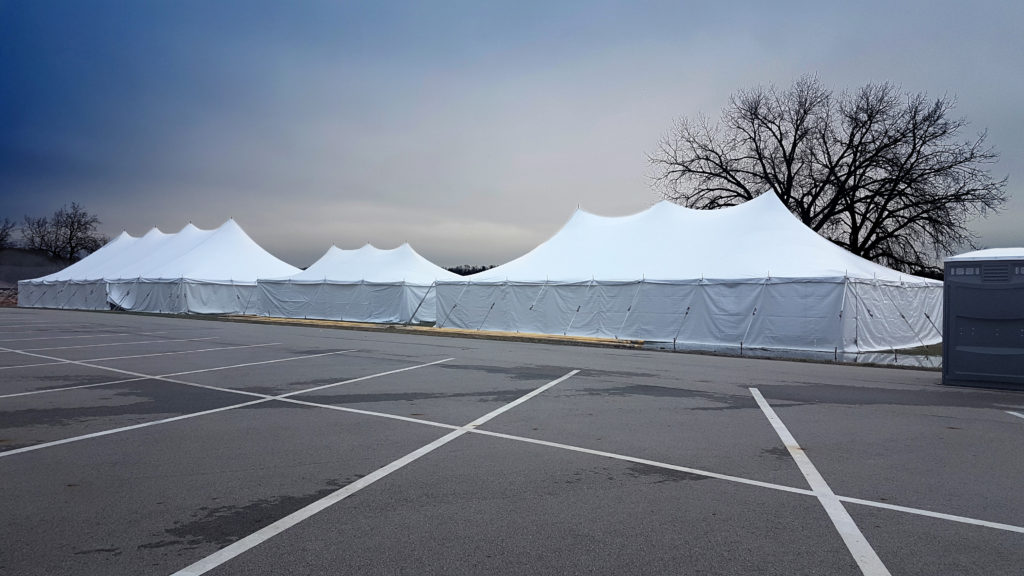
pixel 983 318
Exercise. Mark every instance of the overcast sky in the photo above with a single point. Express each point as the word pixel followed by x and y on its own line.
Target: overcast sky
pixel 471 129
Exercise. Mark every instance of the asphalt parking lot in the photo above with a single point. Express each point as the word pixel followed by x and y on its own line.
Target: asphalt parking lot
pixel 154 445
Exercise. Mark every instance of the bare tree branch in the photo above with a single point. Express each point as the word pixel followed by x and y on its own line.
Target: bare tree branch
pixel 879 172
pixel 69 234
pixel 6 231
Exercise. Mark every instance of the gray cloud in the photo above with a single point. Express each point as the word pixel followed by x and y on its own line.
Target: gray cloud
pixel 471 132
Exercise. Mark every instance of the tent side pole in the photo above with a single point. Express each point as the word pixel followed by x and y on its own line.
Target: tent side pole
pixel 452 309
pixel 905 320
pixel 249 299
pixel 358 288
pixel 422 300
pixel 578 306
pixel 39 296
pixel 934 327
pixel 842 326
pixel 630 309
pixel 857 302
pixel 486 314
pixel 125 295
pixel 309 301
pixel 503 285
pixel 753 313
pixel 73 292
pixel 682 321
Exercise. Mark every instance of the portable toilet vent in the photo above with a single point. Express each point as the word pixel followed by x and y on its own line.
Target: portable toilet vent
pixel 983 318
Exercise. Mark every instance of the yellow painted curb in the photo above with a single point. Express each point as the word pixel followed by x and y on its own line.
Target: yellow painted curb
pixel 450 332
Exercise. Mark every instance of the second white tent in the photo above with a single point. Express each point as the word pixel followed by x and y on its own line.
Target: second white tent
pixel 363 285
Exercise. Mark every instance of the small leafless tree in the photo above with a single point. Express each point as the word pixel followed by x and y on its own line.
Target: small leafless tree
pixel 68 234
pixel 6 231
pixel 467 269
pixel 877 171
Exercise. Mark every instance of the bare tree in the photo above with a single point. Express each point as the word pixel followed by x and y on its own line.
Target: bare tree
pixel 68 234
pixel 6 230
pixel 877 171
pixel 467 269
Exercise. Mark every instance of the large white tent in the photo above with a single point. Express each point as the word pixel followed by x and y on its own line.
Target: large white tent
pixel 82 285
pixel 192 271
pixel 745 276
pixel 364 285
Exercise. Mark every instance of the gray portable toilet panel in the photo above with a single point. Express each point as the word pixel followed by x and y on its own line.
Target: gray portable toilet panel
pixel 983 323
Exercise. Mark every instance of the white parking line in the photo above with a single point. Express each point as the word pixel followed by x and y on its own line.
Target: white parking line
pixel 78 387
pixel 256 538
pixel 868 561
pixel 124 429
pixel 165 377
pixel 370 413
pixel 84 336
pixel 238 347
pixel 116 344
pixel 708 474
pixel 1017 414
pixel 725 477
pixel 603 454
pixel 930 514
pixel 19 320
pixel 360 379
pixel 260 399
pixel 139 355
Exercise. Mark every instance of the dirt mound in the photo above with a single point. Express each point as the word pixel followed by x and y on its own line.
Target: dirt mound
pixel 8 297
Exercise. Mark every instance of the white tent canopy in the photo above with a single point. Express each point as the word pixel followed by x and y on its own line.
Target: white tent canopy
pixel 202 271
pixel 365 285
pixel 69 288
pixel 750 275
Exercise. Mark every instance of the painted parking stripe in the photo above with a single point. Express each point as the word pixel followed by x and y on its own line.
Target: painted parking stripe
pixel 20 322
pixel 124 429
pixel 868 561
pixel 667 466
pixel 12 318
pixel 603 454
pixel 931 514
pixel 260 399
pixel 1017 414
pixel 141 355
pixel 709 474
pixel 238 347
pixel 76 329
pixel 165 377
pixel 77 387
pixel 255 539
pixel 737 479
pixel 115 344
pixel 84 336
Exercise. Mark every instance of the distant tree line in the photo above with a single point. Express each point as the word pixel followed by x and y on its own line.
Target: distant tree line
pixel 467 269
pixel 68 234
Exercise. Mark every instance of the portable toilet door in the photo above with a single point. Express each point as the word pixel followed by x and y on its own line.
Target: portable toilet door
pixel 983 319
